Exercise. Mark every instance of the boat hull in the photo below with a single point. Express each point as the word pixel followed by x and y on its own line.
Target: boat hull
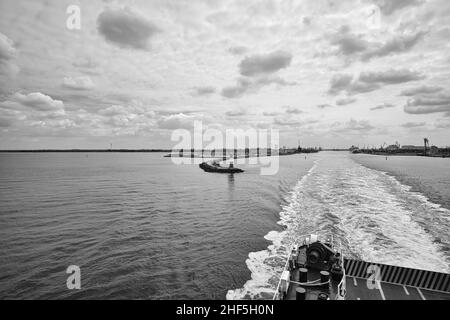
pixel 211 168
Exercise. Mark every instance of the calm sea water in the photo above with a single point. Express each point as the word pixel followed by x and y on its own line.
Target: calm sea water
pixel 141 227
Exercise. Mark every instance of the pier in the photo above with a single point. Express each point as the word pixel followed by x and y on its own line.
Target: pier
pixel 226 154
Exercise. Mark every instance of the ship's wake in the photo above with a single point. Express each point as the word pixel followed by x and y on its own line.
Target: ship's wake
pixel 375 217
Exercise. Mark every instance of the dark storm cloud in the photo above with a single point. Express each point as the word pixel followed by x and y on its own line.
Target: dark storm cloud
pixel 421 90
pixel 263 64
pixel 125 28
pixel 388 7
pixel 371 81
pixel 425 105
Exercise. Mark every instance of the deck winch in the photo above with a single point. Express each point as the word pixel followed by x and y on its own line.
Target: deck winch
pixel 313 271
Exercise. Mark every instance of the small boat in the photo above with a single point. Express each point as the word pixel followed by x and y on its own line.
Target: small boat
pixel 317 270
pixel 216 167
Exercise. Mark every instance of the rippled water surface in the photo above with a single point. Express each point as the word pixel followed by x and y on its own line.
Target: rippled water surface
pixel 141 227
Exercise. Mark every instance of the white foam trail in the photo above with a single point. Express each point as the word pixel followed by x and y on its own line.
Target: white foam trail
pixel 266 265
pixel 387 225
pixel 378 218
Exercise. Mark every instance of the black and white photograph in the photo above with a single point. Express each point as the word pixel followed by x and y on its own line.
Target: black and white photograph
pixel 223 150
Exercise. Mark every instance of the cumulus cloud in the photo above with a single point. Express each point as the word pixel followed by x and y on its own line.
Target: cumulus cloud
pixel 263 64
pixel 245 85
pixel 286 121
pixel 371 81
pixel 176 121
pixel 339 82
pixel 78 83
pixel 323 106
pixel 397 44
pixel 391 76
pixel 409 125
pixel 85 62
pixel 424 105
pixel 242 86
pixel 238 50
pixel 383 106
pixel 292 110
pixel 38 101
pixel 7 55
pixel 388 7
pixel 442 124
pixel 87 65
pixel 258 71
pixel 126 28
pixel 120 115
pixel 113 111
pixel 345 101
pixel 292 122
pixel 236 113
pixel 349 43
pixel 270 114
pixel 354 45
pixel 421 90
pixel 9 116
pixel 35 107
pixel 7 49
pixel 130 119
pixel 5 122
pixel 203 91
pixel 353 126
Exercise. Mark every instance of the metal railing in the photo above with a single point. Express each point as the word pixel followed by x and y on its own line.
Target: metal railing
pixel 277 290
pixel 341 288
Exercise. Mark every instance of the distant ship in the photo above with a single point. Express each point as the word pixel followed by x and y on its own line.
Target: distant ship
pixel 214 166
pixel 317 270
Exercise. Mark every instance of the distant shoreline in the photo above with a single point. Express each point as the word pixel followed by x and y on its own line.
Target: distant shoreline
pixel 405 154
pixel 86 150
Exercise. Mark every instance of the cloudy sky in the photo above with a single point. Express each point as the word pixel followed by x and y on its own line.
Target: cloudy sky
pixel 325 72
